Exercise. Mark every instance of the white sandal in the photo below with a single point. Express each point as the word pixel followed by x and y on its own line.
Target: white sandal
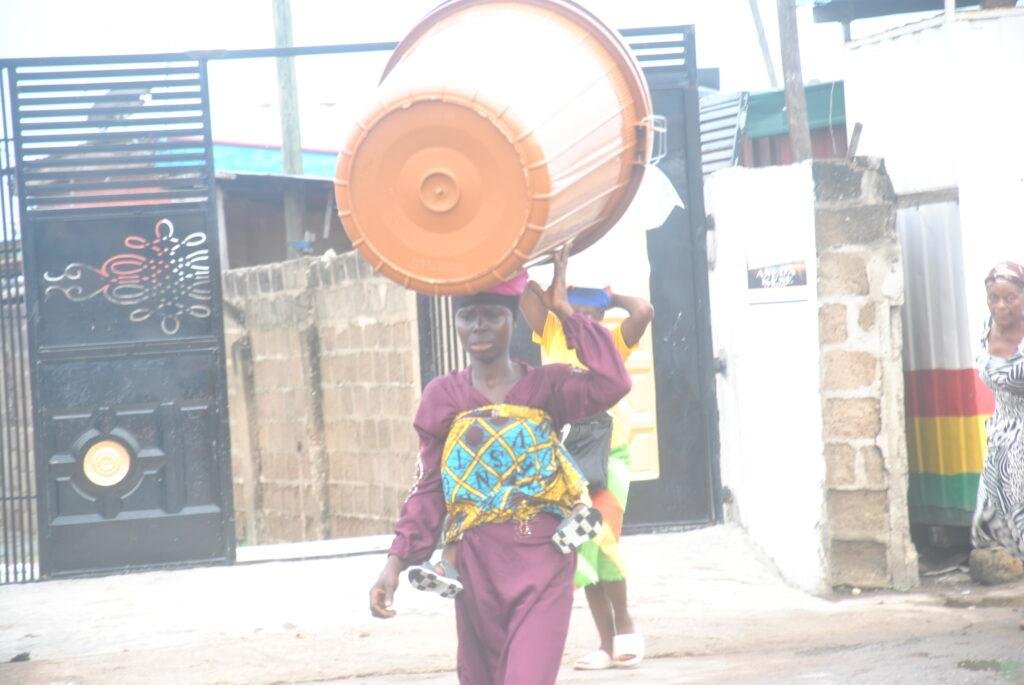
pixel 441 578
pixel 598 660
pixel 627 650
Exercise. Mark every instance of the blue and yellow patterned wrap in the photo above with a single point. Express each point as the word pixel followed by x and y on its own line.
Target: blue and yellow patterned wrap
pixel 505 462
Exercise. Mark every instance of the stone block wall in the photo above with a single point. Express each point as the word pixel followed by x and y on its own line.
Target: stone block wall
pixel 860 294
pixel 323 382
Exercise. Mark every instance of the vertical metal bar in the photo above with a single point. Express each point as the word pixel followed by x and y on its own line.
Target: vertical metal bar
pixel 222 428
pixel 453 355
pixel 431 339
pixel 6 468
pixel 462 355
pixel 446 338
pixel 423 331
pixel 442 336
pixel 426 340
pixel 25 454
pixel 456 346
pixel 13 542
pixel 702 305
pixel 437 335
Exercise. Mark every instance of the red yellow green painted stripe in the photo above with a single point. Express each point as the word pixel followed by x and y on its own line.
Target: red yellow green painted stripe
pixel 946 441
pixel 947 392
pixel 946 445
pixel 942 500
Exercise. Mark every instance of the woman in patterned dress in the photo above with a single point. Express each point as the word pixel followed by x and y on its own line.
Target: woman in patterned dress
pixel 999 517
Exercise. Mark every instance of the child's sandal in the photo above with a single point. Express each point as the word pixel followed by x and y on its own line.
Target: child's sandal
pixel 582 525
pixel 441 578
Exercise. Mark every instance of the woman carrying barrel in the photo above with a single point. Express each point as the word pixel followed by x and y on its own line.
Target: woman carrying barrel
pixel 490 460
pixel 999 517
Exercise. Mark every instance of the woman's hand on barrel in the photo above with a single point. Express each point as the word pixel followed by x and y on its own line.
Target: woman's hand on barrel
pixel 556 297
pixel 383 591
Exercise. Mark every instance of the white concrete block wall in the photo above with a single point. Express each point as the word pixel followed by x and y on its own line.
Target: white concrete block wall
pixel 769 397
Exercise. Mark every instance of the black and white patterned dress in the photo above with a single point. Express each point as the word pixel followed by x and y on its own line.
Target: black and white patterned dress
pixel 999 516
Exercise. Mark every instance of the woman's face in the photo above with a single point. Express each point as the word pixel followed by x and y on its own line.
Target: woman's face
pixel 485 330
pixel 1005 302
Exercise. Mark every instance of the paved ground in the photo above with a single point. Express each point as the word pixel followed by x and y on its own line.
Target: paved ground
pixel 713 611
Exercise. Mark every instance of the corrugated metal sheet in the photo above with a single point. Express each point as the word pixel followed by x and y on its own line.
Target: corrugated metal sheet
pixel 946 403
pixel 937 333
pixel 722 119
pixel 826 108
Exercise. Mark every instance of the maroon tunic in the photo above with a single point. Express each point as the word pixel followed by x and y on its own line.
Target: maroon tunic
pixel 513 614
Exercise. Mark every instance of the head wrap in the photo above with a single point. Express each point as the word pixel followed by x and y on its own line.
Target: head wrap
pixel 505 294
pixel 1007 271
pixel 589 297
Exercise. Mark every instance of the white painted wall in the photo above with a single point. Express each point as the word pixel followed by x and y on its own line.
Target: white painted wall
pixel 944 109
pixel 769 398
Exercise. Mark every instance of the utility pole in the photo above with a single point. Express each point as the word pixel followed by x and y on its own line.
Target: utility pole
pixel 762 38
pixel 291 139
pixel 796 98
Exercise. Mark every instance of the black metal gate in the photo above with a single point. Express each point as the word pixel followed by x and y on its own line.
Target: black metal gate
pixel 113 161
pixel 688 490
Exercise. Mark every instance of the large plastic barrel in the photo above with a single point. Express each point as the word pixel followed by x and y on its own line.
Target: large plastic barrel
pixel 501 130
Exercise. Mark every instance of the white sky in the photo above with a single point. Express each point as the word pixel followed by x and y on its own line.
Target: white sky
pixel 332 88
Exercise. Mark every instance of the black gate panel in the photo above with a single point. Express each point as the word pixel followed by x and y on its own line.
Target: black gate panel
pixel 114 163
pixel 688 491
pixel 166 508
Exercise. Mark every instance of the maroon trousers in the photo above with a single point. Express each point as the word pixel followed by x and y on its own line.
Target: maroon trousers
pixel 513 613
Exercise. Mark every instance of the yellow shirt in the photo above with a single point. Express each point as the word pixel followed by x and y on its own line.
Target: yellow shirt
pixel 555 350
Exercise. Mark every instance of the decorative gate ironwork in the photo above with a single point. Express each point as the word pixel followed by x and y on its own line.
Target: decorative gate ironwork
pixel 688 492
pixel 122 289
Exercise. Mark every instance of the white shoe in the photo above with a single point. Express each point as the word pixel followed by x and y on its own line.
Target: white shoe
pixel 598 660
pixel 627 650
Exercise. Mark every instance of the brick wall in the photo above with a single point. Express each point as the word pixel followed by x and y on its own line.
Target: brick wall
pixel 860 292
pixel 322 386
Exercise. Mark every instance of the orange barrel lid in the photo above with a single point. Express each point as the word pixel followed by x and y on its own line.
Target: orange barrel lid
pixel 439 193
pixel 446 191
